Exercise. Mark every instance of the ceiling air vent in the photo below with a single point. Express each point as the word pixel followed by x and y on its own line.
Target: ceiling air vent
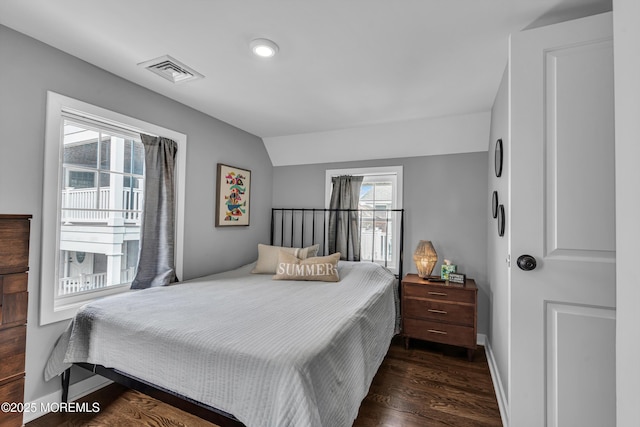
pixel 171 69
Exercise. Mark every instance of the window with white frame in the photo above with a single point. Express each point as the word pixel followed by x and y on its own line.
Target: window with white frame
pixel 93 203
pixel 101 202
pixel 380 195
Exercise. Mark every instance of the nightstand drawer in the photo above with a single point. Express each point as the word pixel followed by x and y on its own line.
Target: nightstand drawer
pixel 438 292
pixel 439 311
pixel 463 336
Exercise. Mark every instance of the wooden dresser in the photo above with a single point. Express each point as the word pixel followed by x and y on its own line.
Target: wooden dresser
pixel 440 312
pixel 14 264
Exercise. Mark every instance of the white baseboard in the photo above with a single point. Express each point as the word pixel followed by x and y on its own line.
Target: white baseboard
pixel 76 391
pixel 501 396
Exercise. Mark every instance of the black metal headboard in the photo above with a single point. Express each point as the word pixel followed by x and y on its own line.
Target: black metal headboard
pixel 382 238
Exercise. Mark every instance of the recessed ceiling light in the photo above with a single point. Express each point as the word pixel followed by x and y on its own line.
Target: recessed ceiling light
pixel 264 48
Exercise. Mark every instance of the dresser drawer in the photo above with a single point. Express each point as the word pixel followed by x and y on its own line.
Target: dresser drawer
pixel 11 392
pixel 14 250
pixel 445 333
pixel 12 350
pixel 437 292
pixel 12 283
pixel 462 314
pixel 13 299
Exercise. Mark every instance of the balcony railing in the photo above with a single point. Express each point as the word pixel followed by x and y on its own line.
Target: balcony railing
pixel 86 205
pixel 91 282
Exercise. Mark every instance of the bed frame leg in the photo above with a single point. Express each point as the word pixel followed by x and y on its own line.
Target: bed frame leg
pixel 65 377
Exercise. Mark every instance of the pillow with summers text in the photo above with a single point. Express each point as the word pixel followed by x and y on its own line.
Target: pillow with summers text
pixel 323 268
pixel 268 256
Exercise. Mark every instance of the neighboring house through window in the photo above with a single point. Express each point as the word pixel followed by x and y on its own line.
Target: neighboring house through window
pixel 93 203
pixel 101 205
pixel 380 193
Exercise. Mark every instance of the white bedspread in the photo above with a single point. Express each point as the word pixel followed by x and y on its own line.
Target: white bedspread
pixel 272 353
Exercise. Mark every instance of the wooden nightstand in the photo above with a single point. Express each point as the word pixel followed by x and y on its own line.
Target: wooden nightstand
pixel 440 312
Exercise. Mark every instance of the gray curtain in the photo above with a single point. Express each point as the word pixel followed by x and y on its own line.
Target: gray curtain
pixel 156 265
pixel 344 227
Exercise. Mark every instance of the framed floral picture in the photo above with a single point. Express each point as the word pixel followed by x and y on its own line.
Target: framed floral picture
pixel 233 191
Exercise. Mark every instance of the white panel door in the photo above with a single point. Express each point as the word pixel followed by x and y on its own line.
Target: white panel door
pixel 562 336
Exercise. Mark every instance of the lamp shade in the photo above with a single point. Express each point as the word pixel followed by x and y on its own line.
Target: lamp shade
pixel 425 258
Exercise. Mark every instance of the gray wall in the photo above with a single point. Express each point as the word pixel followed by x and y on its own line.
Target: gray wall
pixel 445 201
pixel 498 247
pixel 29 69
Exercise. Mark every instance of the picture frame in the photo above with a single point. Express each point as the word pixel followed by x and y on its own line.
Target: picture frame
pixel 498 158
pixel 457 278
pixel 494 204
pixel 233 195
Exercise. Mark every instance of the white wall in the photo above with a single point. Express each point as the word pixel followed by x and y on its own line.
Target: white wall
pixel 465 133
pixel 626 21
pixel 29 70
pixel 498 247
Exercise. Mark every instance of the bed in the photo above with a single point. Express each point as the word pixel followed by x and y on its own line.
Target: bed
pixel 246 349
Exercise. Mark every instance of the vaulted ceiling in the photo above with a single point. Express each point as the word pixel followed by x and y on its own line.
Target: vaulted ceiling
pixel 341 63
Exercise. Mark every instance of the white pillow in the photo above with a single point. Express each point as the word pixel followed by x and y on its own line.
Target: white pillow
pixel 268 256
pixel 319 268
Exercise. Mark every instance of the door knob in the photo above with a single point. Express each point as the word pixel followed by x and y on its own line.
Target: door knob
pixel 526 262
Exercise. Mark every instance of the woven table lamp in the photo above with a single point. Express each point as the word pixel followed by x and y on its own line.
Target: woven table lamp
pixel 425 258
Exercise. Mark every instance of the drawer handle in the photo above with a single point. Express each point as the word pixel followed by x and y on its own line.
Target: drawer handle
pixel 442 294
pixel 431 310
pixel 435 331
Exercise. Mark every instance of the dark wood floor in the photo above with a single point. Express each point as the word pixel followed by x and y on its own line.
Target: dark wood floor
pixel 430 385
pixel 427 385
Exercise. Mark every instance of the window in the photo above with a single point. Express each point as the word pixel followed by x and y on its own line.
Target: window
pixel 93 203
pixel 380 192
pixel 101 202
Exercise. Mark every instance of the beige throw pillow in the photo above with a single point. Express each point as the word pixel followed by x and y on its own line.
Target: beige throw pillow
pixel 323 268
pixel 268 256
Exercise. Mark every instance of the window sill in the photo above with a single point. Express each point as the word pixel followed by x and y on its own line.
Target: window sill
pixel 66 308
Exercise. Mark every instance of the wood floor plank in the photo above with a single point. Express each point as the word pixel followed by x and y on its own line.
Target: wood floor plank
pixel 427 385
